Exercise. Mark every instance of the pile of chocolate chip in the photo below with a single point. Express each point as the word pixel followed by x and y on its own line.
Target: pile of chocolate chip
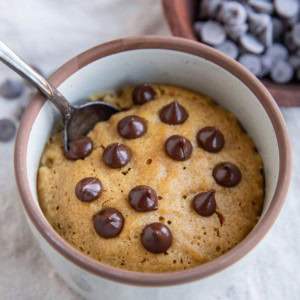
pixel 263 35
pixel 155 237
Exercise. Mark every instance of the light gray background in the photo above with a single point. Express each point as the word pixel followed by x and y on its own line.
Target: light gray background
pixel 46 33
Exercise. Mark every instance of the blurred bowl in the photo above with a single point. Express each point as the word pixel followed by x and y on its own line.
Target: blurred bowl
pixel 180 16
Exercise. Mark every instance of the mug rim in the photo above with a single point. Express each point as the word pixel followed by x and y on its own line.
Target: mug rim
pixel 146 278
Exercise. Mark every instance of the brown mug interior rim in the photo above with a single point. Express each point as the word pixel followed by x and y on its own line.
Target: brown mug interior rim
pixel 140 278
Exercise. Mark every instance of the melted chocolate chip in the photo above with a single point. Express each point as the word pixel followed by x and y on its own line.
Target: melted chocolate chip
pixel 108 223
pixel 173 114
pixel 143 94
pixel 88 189
pixel 205 203
pixel 79 148
pixel 143 198
pixel 156 237
pixel 178 147
pixel 227 174
pixel 210 139
pixel 116 155
pixel 132 127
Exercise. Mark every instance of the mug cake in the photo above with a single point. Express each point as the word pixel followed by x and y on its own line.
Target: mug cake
pixel 169 183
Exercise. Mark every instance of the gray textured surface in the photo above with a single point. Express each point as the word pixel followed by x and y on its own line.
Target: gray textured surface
pixel 47 33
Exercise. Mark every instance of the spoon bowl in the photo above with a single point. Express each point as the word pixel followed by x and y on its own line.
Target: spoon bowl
pixel 85 116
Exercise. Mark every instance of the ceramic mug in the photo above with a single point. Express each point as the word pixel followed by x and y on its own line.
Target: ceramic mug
pixel 176 61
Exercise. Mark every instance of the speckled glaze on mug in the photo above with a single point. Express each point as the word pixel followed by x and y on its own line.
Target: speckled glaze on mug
pixel 176 61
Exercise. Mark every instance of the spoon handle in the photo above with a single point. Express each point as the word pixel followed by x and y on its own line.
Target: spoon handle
pixel 13 61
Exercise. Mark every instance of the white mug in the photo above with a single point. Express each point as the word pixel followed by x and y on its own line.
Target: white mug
pixel 173 61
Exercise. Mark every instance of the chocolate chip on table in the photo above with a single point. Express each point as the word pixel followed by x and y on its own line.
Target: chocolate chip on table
pixel 212 33
pixel 205 203
pixel 236 31
pixel 11 89
pixel 282 72
pixel 229 48
pixel 178 148
pixel 287 8
pixel 132 127
pixel 227 174
pixel 88 189
pixel 116 155
pixel 156 238
pixel 262 6
pixel 250 43
pixel 108 223
pixel 173 113
pixel 296 34
pixel 142 94
pixel 252 62
pixel 79 148
pixel 232 13
pixel 7 130
pixel 211 139
pixel 143 198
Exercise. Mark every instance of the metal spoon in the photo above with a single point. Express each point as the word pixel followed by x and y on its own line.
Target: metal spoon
pixel 78 120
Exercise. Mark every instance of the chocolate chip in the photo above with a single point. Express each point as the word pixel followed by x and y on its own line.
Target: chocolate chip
pixel 108 223
pixel 227 174
pixel 79 148
pixel 212 33
pixel 229 48
pixel 277 52
pixel 178 147
pixel 266 36
pixel 7 130
pixel 143 94
pixel 156 237
pixel 132 127
pixel 262 6
pixel 250 43
pixel 266 64
pixel 11 89
pixel 209 8
pixel 116 155
pixel 282 72
pixel 287 8
pixel 232 13
pixel 259 22
pixel 143 198
pixel 236 31
pixel 210 139
pixel 173 113
pixel 88 189
pixel 252 62
pixel 205 203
